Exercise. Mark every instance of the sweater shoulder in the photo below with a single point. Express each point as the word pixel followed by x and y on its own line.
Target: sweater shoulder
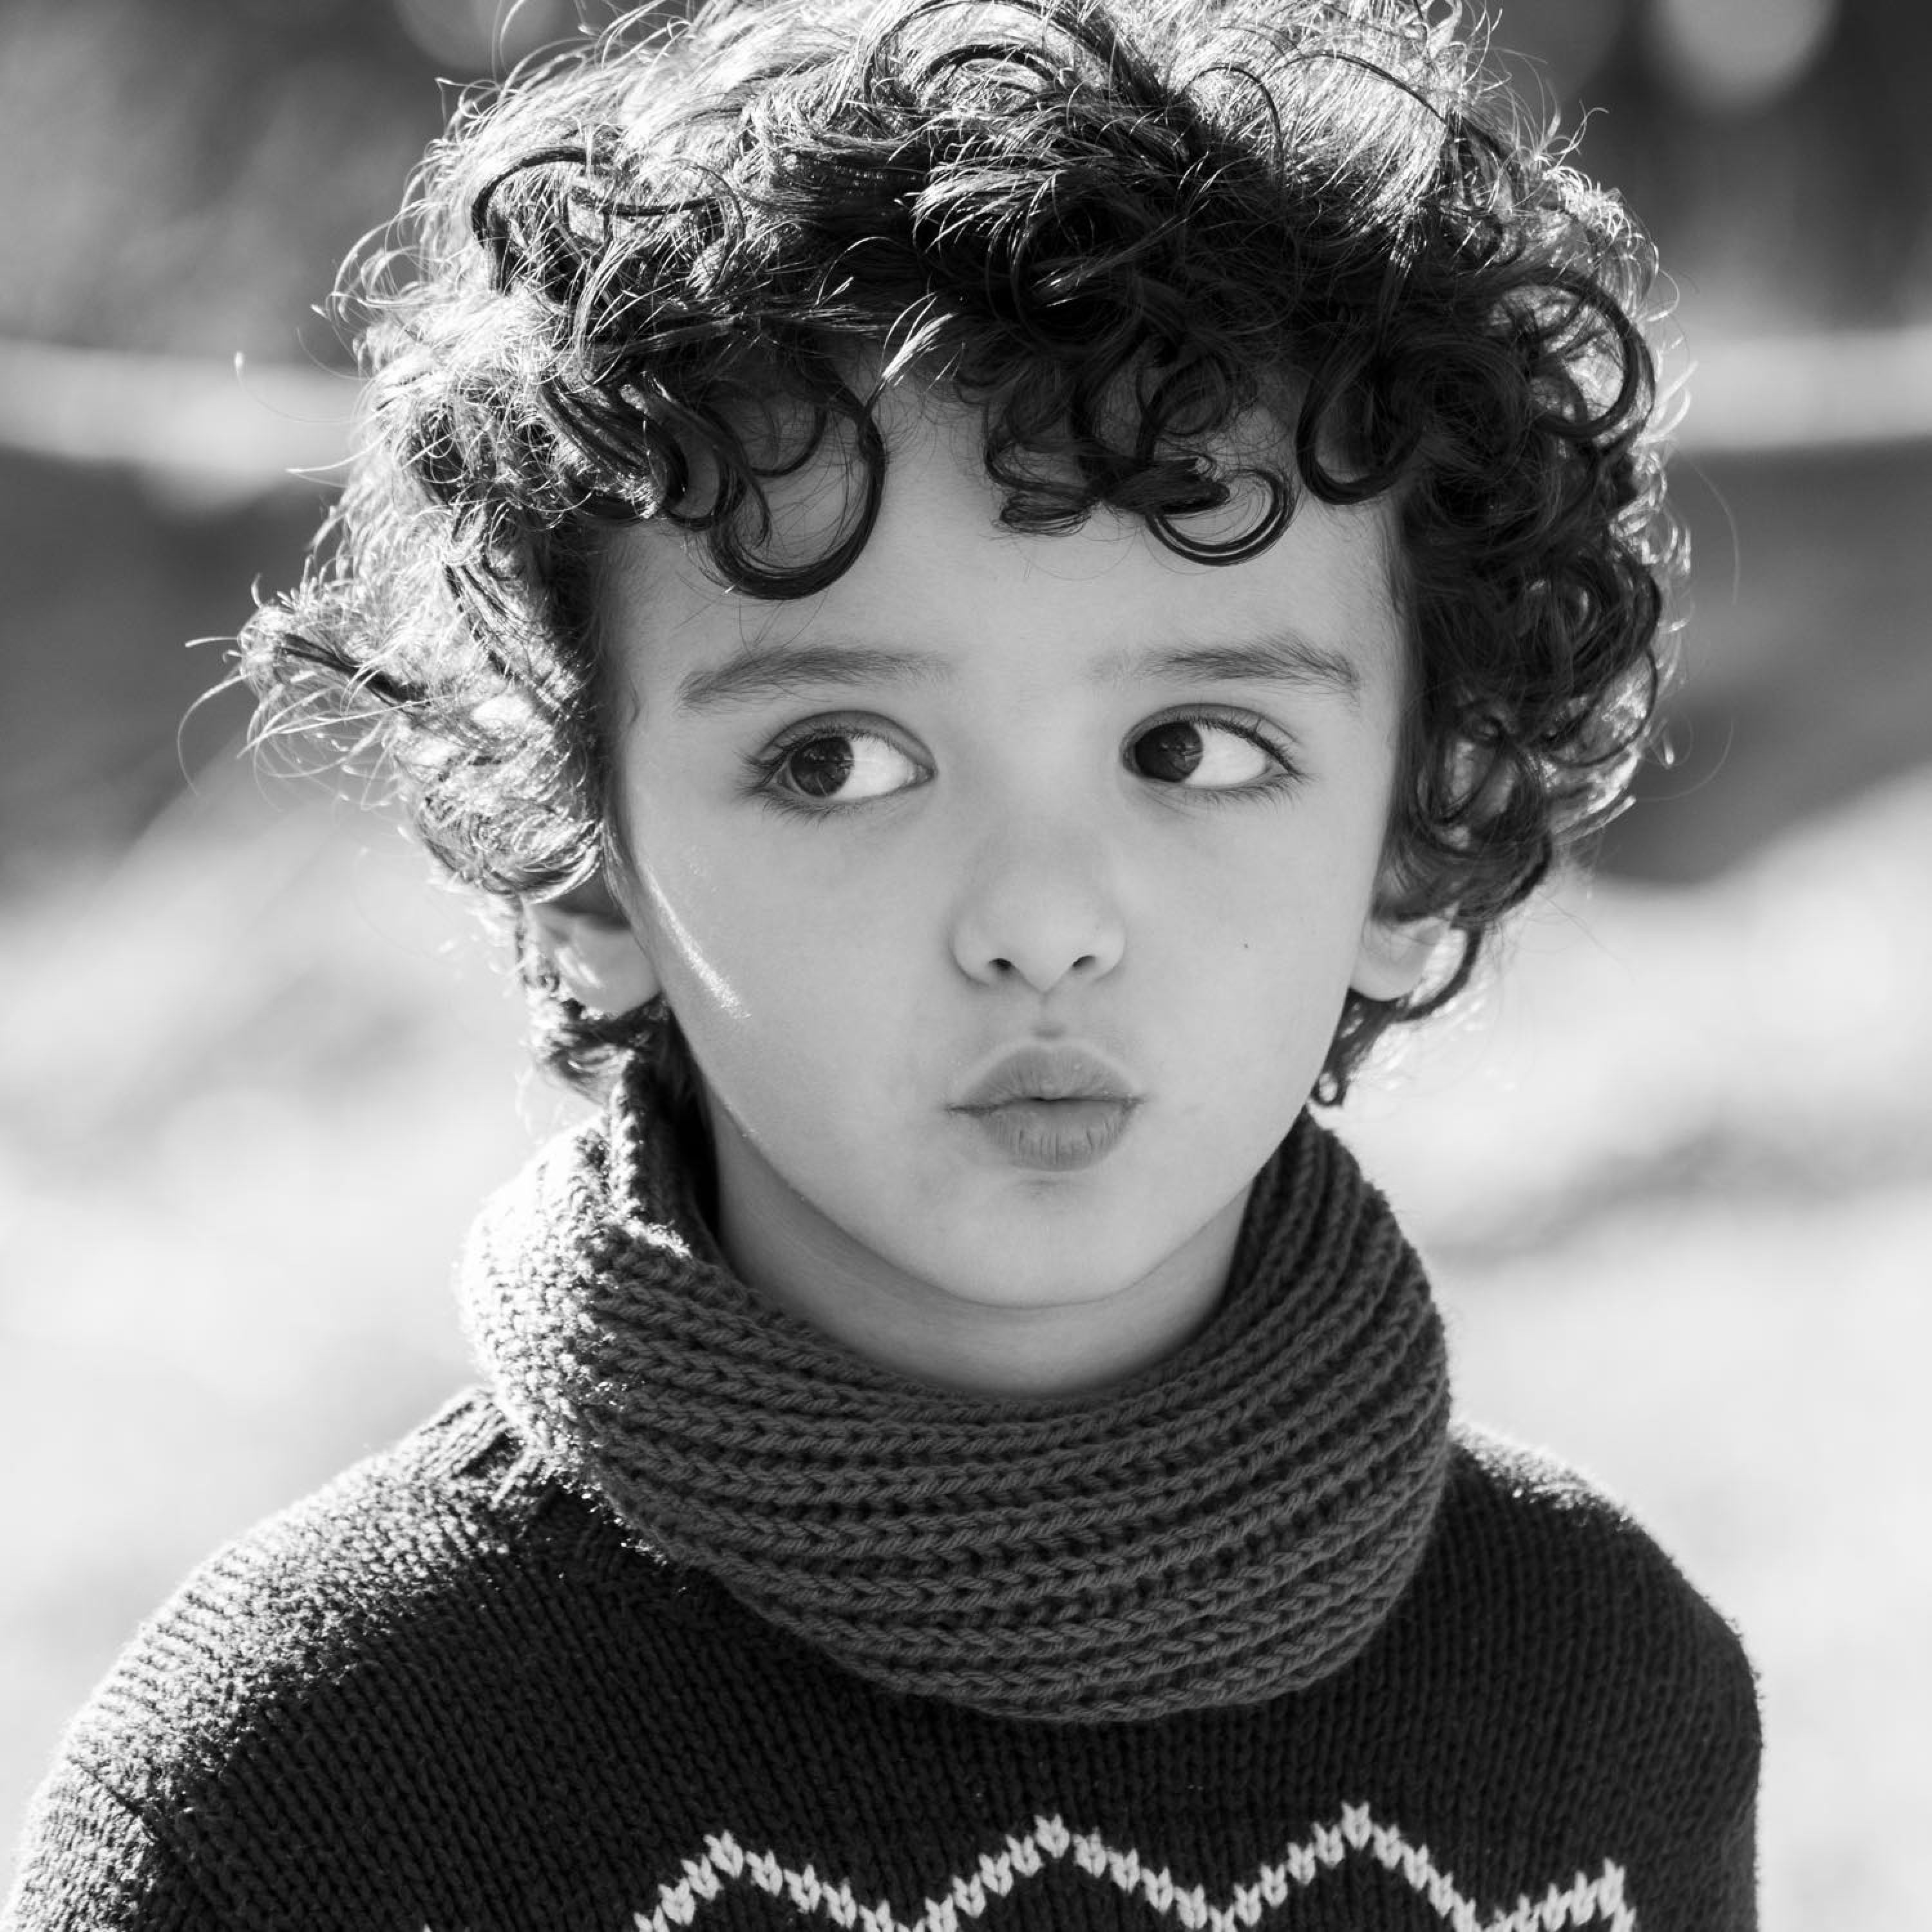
pixel 1552 1696
pixel 401 1558
pixel 312 1721
pixel 1528 1517
pixel 1584 1612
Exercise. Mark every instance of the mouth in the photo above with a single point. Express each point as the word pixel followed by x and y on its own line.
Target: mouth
pixel 1055 1108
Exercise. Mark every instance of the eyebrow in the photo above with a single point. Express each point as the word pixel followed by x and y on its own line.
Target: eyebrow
pixel 1280 658
pixel 782 670
pixel 767 671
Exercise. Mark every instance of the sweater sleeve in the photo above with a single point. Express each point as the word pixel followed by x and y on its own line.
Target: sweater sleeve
pixel 1732 1728
pixel 1649 1749
pixel 89 1862
pixel 1733 1897
pixel 1737 1903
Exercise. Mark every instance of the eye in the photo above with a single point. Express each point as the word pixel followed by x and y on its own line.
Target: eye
pixel 1203 755
pixel 843 766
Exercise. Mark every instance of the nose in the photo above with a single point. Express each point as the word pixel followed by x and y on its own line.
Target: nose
pixel 1039 910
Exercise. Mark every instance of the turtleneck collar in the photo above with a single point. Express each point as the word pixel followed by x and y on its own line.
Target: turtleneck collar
pixel 1233 1523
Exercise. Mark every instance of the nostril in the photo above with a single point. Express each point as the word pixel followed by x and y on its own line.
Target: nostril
pixel 1087 962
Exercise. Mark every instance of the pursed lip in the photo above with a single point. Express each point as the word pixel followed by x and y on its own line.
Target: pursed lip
pixel 1041 1072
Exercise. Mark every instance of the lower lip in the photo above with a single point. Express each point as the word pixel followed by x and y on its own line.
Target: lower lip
pixel 1054 1136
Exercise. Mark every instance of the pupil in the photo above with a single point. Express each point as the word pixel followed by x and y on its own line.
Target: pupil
pixel 1168 751
pixel 821 766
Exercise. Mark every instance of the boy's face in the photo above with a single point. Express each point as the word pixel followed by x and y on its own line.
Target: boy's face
pixel 1007 892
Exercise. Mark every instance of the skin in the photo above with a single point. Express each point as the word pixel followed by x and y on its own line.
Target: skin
pixel 1003 858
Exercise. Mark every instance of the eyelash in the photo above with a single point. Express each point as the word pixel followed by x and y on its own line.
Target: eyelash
pixel 766 767
pixel 1247 724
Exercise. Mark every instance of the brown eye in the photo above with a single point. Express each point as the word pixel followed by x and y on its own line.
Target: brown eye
pixel 820 766
pixel 845 768
pixel 1168 752
pixel 1201 754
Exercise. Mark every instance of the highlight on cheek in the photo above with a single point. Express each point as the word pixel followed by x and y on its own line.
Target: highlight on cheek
pixel 672 926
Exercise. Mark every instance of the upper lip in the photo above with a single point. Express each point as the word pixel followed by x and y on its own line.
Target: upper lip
pixel 1037 1073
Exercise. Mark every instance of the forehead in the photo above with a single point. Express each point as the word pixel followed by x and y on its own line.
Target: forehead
pixel 942 581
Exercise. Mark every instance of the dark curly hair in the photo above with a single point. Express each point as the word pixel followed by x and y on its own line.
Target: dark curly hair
pixel 1114 229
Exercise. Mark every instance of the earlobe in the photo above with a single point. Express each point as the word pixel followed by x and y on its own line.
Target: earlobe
pixel 1394 955
pixel 598 958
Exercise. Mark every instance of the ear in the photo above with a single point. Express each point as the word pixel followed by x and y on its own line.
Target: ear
pixel 1394 954
pixel 586 938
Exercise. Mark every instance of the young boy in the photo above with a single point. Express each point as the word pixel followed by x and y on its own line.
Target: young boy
pixel 999 585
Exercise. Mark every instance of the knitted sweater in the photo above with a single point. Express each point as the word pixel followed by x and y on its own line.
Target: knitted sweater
pixel 448 1693
pixel 462 1689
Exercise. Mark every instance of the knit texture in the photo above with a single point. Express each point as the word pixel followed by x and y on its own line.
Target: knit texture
pixel 448 1693
pixel 1233 1523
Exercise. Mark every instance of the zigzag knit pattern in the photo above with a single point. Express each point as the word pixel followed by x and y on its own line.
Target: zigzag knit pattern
pixel 970 1896
pixel 449 1692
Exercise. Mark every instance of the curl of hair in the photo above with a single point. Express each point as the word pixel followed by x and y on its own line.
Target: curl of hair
pixel 643 280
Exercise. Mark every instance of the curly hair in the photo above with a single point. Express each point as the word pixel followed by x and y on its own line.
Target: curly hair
pixel 1115 230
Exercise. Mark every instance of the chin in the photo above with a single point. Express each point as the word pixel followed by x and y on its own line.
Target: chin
pixel 1028 1272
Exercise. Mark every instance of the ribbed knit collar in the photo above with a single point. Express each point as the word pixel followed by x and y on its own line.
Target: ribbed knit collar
pixel 1233 1523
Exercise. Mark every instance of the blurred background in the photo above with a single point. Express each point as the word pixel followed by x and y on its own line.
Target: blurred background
pixel 1674 1171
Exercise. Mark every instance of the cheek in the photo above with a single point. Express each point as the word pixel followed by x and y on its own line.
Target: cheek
pixel 774 977
pixel 1277 938
pixel 1287 896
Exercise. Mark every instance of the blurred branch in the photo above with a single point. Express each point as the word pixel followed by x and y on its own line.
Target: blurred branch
pixel 232 433
pixel 217 432
pixel 1852 388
